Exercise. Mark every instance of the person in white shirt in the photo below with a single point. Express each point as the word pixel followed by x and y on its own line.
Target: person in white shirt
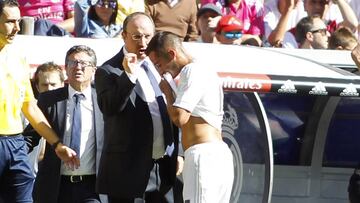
pixel 355 5
pixel 197 108
pixel 280 17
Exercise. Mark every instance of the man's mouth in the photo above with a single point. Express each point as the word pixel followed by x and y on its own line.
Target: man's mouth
pixel 142 51
pixel 11 36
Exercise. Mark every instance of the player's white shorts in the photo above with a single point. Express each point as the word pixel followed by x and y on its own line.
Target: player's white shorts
pixel 208 173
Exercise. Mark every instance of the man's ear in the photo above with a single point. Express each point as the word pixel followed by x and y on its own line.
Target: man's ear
pixel 123 34
pixel 309 36
pixel 339 47
pixel 172 54
pixel 197 26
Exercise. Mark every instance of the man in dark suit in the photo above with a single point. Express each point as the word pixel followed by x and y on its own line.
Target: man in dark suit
pixel 139 160
pixel 73 113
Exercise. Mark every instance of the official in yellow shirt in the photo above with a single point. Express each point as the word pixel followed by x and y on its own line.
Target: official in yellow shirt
pixel 16 96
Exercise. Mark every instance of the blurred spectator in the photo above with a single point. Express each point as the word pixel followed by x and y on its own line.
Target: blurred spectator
pixel 208 17
pixel 251 42
pixel 49 15
pixel 311 33
pixel 280 17
pixel 126 7
pixel 354 187
pixel 249 12
pixel 355 55
pixel 342 39
pixel 176 16
pixel 355 5
pixel 327 11
pixel 277 26
pixel 48 76
pixel 229 30
pixel 96 19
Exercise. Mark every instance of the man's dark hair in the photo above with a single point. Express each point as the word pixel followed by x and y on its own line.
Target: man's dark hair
pixel 81 48
pixel 161 41
pixel 93 16
pixel 304 26
pixel 251 42
pixel 132 16
pixel 48 67
pixel 10 3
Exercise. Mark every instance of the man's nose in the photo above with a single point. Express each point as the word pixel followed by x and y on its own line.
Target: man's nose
pixel 17 26
pixel 49 87
pixel 143 41
pixel 79 66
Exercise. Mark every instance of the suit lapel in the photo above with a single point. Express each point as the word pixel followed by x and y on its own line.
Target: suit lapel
pixel 98 128
pixel 61 112
pixel 96 112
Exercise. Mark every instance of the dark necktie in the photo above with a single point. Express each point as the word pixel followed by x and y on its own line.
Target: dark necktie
pixel 168 138
pixel 76 125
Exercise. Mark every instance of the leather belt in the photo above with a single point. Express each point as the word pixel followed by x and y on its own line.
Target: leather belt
pixel 78 178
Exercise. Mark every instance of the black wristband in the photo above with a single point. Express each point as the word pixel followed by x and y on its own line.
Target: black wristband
pixel 55 144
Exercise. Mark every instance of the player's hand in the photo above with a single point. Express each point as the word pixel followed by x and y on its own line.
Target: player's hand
pixel 179 165
pixel 289 6
pixel 165 87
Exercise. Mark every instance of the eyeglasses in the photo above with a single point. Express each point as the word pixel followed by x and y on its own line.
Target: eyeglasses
pixel 83 64
pixel 322 31
pixel 106 4
pixel 233 35
pixel 137 37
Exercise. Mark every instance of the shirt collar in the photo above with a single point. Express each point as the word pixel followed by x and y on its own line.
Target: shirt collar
pixel 86 92
pixel 172 3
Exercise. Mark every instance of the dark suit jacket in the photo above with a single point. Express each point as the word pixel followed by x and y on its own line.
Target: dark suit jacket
pixel 53 105
pixel 127 161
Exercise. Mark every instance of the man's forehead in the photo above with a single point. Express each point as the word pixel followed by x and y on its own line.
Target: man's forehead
pixel 209 13
pixel 53 74
pixel 140 21
pixel 10 13
pixel 319 23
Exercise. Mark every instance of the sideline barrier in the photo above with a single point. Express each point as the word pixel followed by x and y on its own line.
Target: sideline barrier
pixel 242 68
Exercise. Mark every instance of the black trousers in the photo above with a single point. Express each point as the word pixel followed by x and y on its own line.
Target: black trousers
pixel 72 190
pixel 152 193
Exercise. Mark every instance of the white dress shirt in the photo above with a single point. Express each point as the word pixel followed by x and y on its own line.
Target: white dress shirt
pixel 145 90
pixel 87 143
